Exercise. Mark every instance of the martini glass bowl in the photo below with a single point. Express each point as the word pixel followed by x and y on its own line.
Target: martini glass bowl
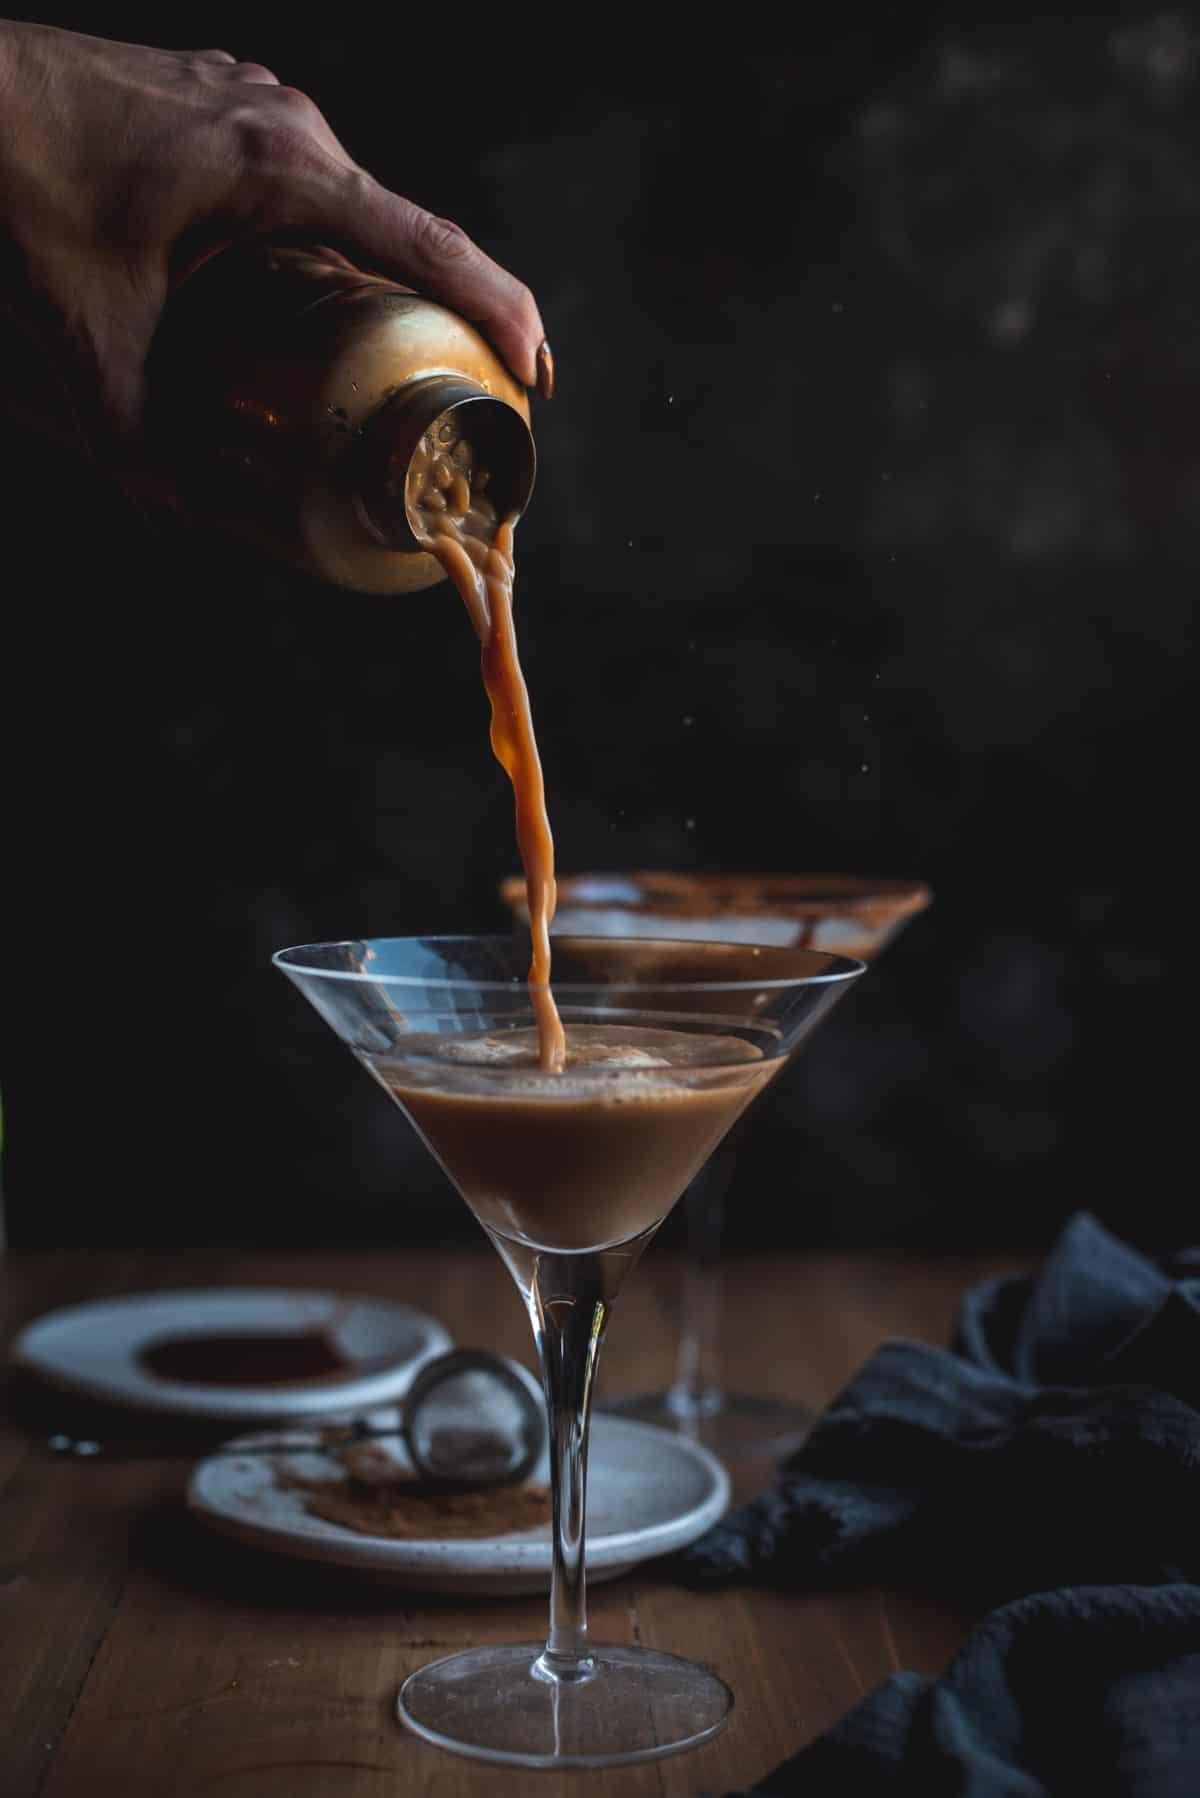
pixel 570 1174
pixel 846 914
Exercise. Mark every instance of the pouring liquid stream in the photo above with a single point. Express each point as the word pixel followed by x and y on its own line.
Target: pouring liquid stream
pixel 459 525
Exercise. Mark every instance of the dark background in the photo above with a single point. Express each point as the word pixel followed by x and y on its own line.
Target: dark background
pixel 865 539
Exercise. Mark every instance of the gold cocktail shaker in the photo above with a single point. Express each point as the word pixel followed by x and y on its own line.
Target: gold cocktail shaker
pixel 287 392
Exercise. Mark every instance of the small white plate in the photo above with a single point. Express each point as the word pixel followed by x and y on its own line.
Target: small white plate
pixel 650 1492
pixel 94 1349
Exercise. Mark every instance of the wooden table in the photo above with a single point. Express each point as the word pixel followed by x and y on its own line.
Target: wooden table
pixel 140 1655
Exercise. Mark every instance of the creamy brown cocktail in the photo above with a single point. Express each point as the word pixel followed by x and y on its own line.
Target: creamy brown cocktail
pixel 591 1158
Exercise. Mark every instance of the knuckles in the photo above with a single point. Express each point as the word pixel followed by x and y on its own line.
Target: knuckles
pixel 275 142
pixel 440 240
pixel 297 108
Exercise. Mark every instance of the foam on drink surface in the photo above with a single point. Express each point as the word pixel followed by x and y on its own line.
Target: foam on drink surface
pixel 603 1064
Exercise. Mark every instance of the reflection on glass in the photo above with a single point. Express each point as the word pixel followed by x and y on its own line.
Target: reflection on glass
pixel 844 914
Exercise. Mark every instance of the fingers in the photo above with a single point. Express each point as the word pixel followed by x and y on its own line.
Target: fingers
pixel 438 258
pixel 254 72
pixel 231 67
pixel 300 178
pixel 330 195
pixel 295 176
pixel 294 111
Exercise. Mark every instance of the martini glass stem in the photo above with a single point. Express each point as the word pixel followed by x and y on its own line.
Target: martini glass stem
pixel 569 1315
pixel 696 1392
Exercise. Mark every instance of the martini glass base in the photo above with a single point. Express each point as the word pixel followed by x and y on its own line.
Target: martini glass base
pixel 492 1704
pixel 734 1425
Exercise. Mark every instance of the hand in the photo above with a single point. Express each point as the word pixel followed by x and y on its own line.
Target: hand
pixel 122 166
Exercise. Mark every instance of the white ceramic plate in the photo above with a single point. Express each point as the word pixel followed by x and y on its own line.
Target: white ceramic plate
pixel 94 1349
pixel 649 1492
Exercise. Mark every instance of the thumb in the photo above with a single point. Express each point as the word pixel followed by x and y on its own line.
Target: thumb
pixel 111 342
pixel 112 339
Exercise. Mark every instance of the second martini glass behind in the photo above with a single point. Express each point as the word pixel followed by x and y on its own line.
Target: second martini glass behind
pixel 844 914
pixel 570 1174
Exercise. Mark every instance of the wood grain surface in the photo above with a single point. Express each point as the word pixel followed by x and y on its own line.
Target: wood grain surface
pixel 141 1655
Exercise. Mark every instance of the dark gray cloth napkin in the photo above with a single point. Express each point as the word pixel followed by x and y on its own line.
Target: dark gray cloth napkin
pixel 1048 1467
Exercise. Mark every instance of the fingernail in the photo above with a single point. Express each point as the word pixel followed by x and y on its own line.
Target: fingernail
pixel 545 370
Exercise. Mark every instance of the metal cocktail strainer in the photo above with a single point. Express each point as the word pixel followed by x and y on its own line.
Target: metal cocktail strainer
pixel 473 1418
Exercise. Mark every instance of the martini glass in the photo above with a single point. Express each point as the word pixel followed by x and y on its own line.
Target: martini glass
pixel 844 913
pixel 570 1175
